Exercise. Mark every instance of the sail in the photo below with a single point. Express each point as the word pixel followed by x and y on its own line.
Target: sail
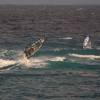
pixel 87 43
pixel 34 47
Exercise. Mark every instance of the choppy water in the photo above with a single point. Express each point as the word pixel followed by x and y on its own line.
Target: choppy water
pixel 61 70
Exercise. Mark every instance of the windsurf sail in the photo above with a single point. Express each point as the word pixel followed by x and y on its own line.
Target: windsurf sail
pixel 34 47
pixel 87 43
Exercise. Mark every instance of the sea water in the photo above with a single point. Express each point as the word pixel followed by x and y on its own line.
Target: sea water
pixel 61 69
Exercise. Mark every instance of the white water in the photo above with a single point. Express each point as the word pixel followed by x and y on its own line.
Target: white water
pixel 38 62
pixel 4 63
pixel 34 62
pixel 85 56
pixel 66 38
pixel 57 58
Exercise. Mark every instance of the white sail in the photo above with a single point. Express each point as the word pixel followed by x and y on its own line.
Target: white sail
pixel 87 43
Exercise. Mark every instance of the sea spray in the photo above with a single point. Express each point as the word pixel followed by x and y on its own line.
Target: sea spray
pixel 5 62
pixel 35 62
pixel 85 56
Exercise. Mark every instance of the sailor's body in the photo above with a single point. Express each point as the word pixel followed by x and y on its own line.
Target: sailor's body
pixel 28 51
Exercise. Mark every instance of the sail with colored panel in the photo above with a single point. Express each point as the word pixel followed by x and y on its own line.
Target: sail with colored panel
pixel 34 47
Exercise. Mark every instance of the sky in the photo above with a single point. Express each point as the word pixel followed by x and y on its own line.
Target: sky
pixel 55 2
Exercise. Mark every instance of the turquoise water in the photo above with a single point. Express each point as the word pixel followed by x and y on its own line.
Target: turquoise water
pixel 54 75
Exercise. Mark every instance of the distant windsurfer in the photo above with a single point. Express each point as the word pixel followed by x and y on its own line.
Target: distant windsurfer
pixel 87 42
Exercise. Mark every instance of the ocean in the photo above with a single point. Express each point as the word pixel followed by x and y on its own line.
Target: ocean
pixel 61 69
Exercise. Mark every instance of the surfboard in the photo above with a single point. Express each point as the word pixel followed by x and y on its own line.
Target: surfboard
pixel 34 47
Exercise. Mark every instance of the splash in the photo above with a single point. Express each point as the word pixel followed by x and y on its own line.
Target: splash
pixel 36 62
pixel 85 56
pixel 4 63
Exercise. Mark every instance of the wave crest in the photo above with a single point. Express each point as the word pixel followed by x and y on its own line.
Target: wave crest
pixel 85 56
pixel 4 63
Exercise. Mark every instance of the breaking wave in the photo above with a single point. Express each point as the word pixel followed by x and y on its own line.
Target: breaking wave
pixel 12 58
pixel 21 60
pixel 85 56
pixel 4 63
pixel 38 62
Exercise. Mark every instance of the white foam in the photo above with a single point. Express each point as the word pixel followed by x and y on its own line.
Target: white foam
pixel 57 59
pixel 38 62
pixel 66 38
pixel 33 62
pixel 4 63
pixel 85 56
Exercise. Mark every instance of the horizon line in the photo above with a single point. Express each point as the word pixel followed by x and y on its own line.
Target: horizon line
pixel 53 4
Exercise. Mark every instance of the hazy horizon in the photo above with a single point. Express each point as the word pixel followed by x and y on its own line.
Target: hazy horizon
pixel 49 2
